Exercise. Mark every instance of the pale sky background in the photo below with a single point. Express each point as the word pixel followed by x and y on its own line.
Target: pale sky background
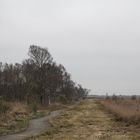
pixel 98 41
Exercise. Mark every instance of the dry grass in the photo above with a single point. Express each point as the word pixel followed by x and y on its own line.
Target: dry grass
pixel 124 110
pixel 56 106
pixel 14 119
pixel 17 108
pixel 87 121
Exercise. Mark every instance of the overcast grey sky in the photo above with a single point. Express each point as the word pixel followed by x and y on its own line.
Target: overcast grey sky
pixel 98 41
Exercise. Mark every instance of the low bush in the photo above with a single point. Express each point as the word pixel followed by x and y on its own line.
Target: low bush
pixel 63 99
pixel 34 107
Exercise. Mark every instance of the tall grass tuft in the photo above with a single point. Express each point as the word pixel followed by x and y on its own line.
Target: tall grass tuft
pixel 3 106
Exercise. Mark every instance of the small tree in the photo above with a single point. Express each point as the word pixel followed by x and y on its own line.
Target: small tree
pixel 114 97
pixel 133 97
pixel 39 55
pixel 107 97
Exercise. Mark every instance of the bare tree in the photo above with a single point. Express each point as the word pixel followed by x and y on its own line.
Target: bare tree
pixel 39 55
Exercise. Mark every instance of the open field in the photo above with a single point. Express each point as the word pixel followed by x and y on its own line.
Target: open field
pixel 124 110
pixel 89 121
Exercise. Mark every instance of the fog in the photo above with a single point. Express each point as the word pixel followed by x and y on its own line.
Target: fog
pixel 98 41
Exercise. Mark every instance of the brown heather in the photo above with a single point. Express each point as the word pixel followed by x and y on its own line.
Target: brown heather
pixel 124 110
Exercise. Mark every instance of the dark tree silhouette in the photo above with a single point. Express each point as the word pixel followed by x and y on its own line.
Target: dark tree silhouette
pixel 38 79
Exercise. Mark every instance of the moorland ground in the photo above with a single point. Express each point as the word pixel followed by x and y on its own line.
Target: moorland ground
pixel 89 120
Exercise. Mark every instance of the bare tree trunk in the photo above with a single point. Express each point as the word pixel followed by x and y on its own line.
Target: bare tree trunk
pixel 41 99
pixel 49 100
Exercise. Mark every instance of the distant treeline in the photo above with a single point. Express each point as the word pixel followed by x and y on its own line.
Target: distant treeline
pixel 38 79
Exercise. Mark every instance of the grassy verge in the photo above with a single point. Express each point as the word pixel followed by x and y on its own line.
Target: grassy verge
pixel 17 118
pixel 14 127
pixel 19 124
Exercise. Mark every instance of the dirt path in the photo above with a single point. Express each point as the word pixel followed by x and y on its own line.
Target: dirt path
pixel 89 121
pixel 36 127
